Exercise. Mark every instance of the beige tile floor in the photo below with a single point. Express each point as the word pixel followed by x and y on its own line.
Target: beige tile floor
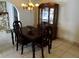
pixel 60 49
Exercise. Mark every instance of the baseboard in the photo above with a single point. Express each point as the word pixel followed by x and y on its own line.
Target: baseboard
pixel 65 40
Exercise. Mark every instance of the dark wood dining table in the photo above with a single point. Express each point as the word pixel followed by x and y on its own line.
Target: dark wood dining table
pixel 31 34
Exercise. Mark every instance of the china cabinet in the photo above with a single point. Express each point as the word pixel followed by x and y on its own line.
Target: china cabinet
pixel 48 15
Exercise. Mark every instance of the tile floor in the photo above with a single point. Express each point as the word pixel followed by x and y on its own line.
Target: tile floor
pixel 60 49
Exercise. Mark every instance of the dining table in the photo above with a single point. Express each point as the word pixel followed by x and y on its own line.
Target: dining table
pixel 32 34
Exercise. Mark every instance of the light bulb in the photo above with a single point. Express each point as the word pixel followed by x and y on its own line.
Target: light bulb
pixel 29 8
pixel 31 4
pixel 23 5
pixel 36 4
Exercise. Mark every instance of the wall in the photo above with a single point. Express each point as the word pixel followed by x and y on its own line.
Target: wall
pixel 77 22
pixel 67 29
pixel 71 17
pixel 68 15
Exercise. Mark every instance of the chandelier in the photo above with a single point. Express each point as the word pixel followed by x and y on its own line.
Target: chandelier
pixel 29 5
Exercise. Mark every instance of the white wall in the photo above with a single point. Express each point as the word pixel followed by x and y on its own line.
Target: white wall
pixel 73 17
pixel 77 22
pixel 67 29
pixel 69 23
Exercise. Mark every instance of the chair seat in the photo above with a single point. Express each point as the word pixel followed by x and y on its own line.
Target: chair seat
pixel 23 40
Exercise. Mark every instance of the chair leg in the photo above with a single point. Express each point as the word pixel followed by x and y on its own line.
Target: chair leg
pixel 22 49
pixel 49 46
pixel 12 37
pixel 49 49
pixel 33 49
pixel 15 38
pixel 17 46
pixel 42 51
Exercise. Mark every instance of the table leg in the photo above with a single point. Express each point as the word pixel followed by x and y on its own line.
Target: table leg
pixel 49 46
pixel 42 51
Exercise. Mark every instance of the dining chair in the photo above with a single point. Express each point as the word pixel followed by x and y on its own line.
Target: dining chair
pixel 20 38
pixel 49 37
pixel 46 32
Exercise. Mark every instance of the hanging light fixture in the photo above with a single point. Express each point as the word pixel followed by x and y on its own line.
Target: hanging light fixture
pixel 29 5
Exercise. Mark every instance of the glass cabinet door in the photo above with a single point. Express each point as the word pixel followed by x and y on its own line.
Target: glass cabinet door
pixel 45 15
pixel 51 15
